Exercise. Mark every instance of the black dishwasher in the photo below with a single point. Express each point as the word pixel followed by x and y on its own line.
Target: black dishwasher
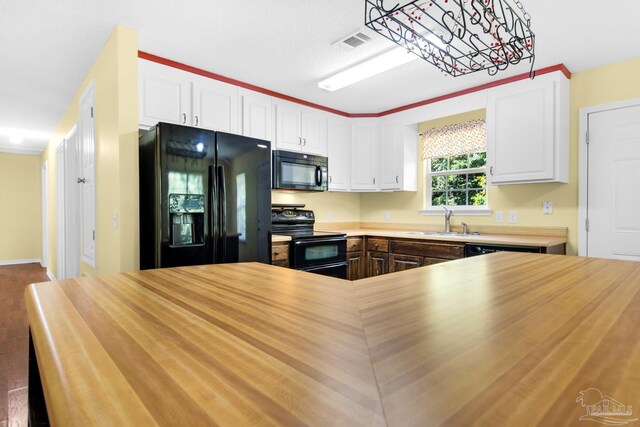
pixel 474 249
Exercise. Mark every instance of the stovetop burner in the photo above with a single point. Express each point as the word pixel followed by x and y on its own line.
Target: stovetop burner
pixel 291 220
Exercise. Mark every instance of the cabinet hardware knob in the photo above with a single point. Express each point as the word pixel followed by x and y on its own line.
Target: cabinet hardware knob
pixel 374 180
pixel 491 170
pixel 276 253
pixel 80 181
pixel 184 118
pixel 396 179
pixel 197 121
pixel 330 179
pixel 299 140
pixel 304 141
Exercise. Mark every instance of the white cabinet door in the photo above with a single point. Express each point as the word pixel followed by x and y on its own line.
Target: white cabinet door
pixel 390 156
pixel 339 153
pixel 215 105
pixel 526 132
pixel 288 126
pixel 165 94
pixel 364 156
pixel 256 115
pixel 314 133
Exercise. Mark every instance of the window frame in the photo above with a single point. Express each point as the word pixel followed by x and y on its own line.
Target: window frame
pixel 430 209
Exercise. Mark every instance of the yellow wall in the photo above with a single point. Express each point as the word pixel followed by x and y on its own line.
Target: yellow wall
pixel 115 78
pixel 20 215
pixel 327 206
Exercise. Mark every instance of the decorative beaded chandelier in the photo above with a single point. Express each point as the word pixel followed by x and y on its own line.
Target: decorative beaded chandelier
pixel 458 36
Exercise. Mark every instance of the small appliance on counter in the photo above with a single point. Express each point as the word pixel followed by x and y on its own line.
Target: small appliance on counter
pixel 299 171
pixel 321 252
pixel 205 197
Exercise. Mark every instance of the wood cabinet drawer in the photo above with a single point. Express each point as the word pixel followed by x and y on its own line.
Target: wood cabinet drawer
pixel 381 245
pixel 279 252
pixel 427 249
pixel 354 244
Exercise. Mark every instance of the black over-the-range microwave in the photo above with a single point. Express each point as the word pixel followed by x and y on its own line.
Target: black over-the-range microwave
pixel 298 171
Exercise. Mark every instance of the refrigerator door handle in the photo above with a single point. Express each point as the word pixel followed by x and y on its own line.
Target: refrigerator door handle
pixel 213 213
pixel 222 214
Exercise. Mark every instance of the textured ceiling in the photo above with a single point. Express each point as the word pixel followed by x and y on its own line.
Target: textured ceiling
pixel 47 47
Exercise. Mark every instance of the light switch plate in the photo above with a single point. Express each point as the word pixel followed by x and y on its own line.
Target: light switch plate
pixel 513 217
pixel 547 207
pixel 499 217
pixel 387 216
pixel 329 216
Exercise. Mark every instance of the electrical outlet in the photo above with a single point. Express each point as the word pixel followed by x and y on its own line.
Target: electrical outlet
pixel 329 216
pixel 387 216
pixel 513 217
pixel 115 219
pixel 547 207
pixel 499 217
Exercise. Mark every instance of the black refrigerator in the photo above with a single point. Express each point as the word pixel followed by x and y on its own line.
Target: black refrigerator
pixel 205 197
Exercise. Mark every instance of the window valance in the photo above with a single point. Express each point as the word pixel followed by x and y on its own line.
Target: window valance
pixel 454 140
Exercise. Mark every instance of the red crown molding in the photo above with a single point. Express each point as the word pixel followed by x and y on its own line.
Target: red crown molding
pixel 185 67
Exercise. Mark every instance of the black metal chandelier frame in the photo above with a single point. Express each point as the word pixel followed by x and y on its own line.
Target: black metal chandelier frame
pixel 458 36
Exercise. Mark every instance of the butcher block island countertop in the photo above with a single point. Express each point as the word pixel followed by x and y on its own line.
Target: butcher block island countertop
pixel 500 339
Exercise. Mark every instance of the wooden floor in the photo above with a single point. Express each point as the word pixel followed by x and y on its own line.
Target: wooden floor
pixel 14 341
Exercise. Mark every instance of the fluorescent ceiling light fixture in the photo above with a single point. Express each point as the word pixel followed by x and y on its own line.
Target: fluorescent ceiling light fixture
pixel 16 139
pixel 371 67
pixel 15 133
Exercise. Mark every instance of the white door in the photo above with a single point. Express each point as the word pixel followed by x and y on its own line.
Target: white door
pixel 215 105
pixel 87 176
pixel 288 135
pixel 613 192
pixel 339 153
pixel 256 115
pixel 71 210
pixel 314 134
pixel 390 156
pixel 164 94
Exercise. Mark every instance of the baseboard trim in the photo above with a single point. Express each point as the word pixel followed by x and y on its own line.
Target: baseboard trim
pixel 50 275
pixel 20 261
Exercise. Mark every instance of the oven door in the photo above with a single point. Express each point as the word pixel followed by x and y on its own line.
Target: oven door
pixel 313 252
pixel 338 270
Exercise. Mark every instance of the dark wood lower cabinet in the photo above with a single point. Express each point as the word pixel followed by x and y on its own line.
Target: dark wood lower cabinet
pixel 377 263
pixel 355 265
pixel 404 262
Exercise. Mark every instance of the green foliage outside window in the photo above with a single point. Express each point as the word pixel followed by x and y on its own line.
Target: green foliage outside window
pixel 451 185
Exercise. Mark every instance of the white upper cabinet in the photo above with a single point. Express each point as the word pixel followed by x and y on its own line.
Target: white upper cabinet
pixel 214 105
pixel 165 94
pixel 256 114
pixel 300 129
pixel 339 153
pixel 171 95
pixel 398 156
pixel 527 131
pixel 364 155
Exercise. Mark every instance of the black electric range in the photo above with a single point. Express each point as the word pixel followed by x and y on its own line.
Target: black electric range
pixel 321 252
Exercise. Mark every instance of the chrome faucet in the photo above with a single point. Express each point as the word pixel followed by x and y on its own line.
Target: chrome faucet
pixel 447 219
pixel 464 228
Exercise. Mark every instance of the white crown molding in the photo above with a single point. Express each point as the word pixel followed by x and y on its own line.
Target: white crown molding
pixel 28 151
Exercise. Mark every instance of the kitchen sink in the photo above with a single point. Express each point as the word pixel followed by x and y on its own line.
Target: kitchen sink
pixel 439 233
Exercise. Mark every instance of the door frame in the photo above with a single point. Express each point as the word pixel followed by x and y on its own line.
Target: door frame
pixel 583 164
pixel 44 197
pixel 60 211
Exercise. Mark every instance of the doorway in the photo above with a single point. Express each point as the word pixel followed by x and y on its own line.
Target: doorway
pixel 609 211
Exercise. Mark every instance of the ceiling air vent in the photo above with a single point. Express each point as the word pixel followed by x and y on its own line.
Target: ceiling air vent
pixel 352 41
